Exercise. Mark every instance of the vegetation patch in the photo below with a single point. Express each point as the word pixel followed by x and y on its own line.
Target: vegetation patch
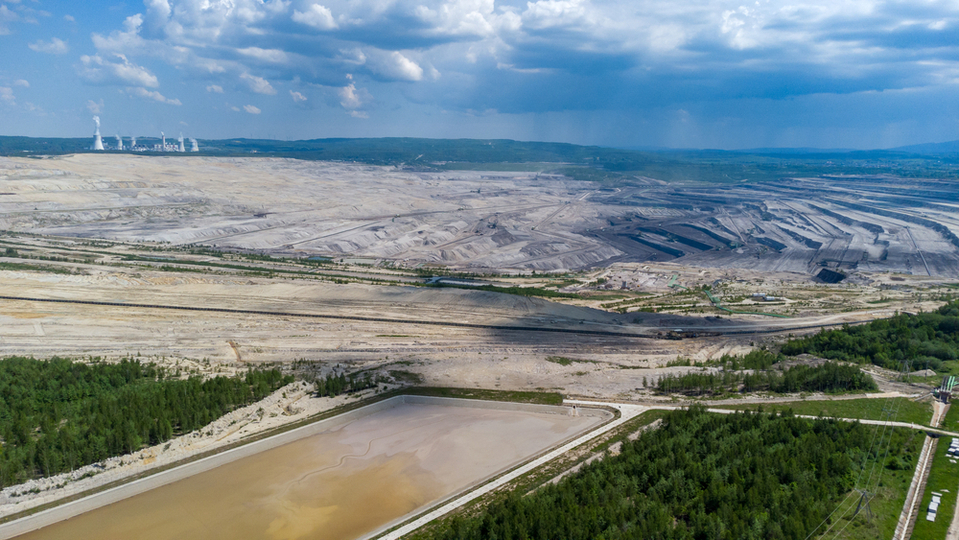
pixel 898 409
pixel 942 480
pixel 698 476
pixel 518 291
pixel 405 377
pixel 541 398
pixel 60 414
pixel 921 341
pixel 564 361
pixel 829 377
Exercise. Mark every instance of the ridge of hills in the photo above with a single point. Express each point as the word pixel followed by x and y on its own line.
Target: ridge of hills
pixel 580 162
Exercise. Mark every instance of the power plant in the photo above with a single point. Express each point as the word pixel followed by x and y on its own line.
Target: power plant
pixel 133 147
pixel 97 141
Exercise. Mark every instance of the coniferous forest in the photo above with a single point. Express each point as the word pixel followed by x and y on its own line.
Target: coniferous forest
pixel 700 475
pixel 58 415
pixel 924 340
pixel 828 377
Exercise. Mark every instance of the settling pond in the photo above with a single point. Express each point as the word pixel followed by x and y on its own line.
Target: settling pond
pixel 344 478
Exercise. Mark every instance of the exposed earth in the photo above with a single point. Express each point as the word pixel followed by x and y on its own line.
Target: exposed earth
pixel 487 220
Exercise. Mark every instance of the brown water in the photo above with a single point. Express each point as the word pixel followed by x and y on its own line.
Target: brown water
pixel 337 485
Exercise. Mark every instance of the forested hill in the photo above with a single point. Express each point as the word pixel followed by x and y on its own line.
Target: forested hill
pixel 58 415
pixel 924 340
pixel 582 162
pixel 700 475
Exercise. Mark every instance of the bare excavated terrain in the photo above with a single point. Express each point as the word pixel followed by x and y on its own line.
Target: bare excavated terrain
pixel 213 265
pixel 646 254
pixel 487 220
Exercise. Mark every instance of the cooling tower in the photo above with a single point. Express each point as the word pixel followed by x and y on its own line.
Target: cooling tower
pixel 97 141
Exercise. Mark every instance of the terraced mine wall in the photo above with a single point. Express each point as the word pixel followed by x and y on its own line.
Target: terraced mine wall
pixel 938 227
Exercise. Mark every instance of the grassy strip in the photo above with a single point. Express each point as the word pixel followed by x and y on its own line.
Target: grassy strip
pixel 541 398
pixel 887 503
pixel 865 409
pixel 564 361
pixel 518 291
pixel 35 268
pixel 951 420
pixel 942 479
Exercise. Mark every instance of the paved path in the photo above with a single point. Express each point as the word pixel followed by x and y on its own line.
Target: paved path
pixel 889 423
pixel 627 412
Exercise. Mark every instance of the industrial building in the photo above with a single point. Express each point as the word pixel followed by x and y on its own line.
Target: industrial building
pixel 163 146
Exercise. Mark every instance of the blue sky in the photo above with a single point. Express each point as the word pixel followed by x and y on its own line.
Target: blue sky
pixel 665 73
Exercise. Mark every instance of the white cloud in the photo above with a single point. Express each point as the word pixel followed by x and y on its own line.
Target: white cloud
pixel 258 84
pixel 6 16
pixel 21 82
pixel 270 56
pixel 69 18
pixel 127 40
pixel 349 98
pixel 158 12
pixel 815 46
pixel 95 70
pixel 553 13
pixel 149 94
pixel 215 88
pixel 359 114
pixel 317 16
pixel 251 109
pixel 6 95
pixel 55 46
pixel 297 97
pixel 470 18
pixel 352 56
pixel 95 107
pixel 393 65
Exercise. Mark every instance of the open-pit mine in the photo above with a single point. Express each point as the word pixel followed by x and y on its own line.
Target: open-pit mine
pixel 486 220
pixel 509 281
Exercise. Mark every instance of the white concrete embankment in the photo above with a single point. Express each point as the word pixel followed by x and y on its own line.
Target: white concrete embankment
pixel 627 412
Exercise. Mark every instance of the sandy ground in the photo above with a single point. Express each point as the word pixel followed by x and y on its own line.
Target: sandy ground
pixel 478 219
pixel 220 343
pixel 465 217
pixel 346 481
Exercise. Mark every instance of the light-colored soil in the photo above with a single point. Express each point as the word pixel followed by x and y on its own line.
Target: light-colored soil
pixel 383 222
pixel 477 219
pixel 341 483
pixel 463 218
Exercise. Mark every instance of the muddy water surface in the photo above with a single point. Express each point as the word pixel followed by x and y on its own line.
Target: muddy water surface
pixel 338 485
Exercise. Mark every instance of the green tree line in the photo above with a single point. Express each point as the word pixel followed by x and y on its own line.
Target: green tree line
pixel 334 385
pixel 754 359
pixel 699 476
pixel 59 414
pixel 828 377
pixel 922 340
